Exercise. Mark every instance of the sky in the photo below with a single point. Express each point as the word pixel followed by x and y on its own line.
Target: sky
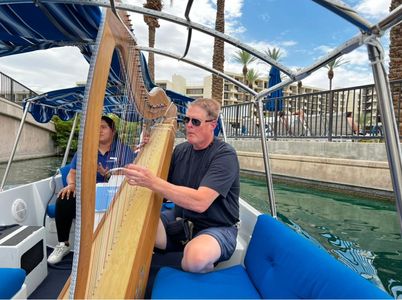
pixel 302 29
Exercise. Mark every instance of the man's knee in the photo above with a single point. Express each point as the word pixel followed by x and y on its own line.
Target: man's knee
pixel 196 261
pixel 200 254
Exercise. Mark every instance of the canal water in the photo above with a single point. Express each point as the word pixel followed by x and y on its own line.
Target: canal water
pixel 362 233
pixel 26 171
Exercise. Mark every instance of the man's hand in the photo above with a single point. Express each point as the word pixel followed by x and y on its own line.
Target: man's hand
pixel 137 175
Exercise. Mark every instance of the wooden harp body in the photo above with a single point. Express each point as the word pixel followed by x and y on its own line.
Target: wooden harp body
pixel 113 262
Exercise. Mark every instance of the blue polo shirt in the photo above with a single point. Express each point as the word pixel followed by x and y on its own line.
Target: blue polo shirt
pixel 119 155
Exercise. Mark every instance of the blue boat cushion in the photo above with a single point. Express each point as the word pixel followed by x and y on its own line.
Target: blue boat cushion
pixel 279 264
pixel 284 264
pixel 167 206
pixel 230 283
pixel 64 172
pixel 51 208
pixel 11 281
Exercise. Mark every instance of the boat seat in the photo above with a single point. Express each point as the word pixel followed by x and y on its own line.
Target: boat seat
pixel 279 263
pixel 51 208
pixel 11 281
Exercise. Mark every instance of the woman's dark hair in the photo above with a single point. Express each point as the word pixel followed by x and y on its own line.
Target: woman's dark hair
pixel 109 122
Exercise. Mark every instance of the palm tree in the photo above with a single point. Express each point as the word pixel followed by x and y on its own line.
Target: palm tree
pixel 244 58
pixel 395 64
pixel 218 58
pixel 152 23
pixel 251 77
pixel 333 65
pixel 274 53
pixel 299 83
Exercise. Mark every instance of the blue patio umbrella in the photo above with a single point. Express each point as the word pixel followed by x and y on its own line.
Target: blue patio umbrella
pixel 274 78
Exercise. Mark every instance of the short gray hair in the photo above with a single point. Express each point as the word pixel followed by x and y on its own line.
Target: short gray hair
pixel 211 106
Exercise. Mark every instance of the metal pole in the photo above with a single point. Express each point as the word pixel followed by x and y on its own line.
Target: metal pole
pixel 276 120
pixel 331 111
pixel 15 145
pixel 70 139
pixel 391 134
pixel 237 121
pixel 264 144
pixel 223 127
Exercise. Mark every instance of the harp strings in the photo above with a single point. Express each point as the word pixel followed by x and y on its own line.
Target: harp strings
pixel 140 108
pixel 128 133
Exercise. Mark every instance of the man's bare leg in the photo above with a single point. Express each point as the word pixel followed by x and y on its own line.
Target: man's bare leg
pixel 200 254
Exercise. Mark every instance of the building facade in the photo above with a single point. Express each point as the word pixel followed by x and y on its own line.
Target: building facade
pixel 232 94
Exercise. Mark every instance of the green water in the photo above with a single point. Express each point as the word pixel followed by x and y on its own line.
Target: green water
pixel 27 171
pixel 362 233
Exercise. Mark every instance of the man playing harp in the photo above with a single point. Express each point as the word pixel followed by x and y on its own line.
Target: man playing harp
pixel 203 183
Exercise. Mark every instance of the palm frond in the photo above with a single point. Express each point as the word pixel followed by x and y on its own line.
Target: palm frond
pixel 252 76
pixel 336 63
pixel 243 57
pixel 274 53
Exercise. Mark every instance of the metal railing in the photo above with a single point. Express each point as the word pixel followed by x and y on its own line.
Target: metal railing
pixel 14 91
pixel 355 115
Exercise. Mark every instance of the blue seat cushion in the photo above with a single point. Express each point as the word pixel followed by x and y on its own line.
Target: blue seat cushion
pixel 64 172
pixel 228 283
pixel 167 206
pixel 11 281
pixel 284 264
pixel 51 210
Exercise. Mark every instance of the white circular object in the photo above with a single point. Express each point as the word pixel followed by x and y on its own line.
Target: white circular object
pixel 19 210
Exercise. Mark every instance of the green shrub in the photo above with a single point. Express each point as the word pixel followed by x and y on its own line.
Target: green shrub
pixel 63 129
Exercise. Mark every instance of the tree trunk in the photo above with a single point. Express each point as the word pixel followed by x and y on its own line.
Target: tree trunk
pixel 151 58
pixel 395 66
pixel 219 55
pixel 152 23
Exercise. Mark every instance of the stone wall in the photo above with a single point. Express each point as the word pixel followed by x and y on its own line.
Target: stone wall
pixel 35 140
pixel 354 164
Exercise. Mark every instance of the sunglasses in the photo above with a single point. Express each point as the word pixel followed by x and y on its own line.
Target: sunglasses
pixel 195 122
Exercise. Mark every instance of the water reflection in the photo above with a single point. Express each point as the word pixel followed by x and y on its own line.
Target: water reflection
pixel 362 233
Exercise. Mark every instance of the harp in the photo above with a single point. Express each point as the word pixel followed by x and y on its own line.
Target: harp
pixel 113 261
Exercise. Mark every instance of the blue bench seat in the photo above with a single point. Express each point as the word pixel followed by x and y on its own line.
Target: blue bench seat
pixel 11 281
pixel 51 208
pixel 279 264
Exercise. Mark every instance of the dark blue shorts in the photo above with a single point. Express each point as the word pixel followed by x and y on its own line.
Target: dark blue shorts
pixel 226 236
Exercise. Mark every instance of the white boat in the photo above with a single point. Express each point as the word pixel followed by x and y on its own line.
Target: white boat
pixel 270 261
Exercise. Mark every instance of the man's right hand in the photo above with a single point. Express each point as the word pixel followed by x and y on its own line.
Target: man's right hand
pixel 67 191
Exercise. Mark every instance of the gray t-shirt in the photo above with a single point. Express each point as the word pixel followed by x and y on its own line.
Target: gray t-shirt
pixel 215 167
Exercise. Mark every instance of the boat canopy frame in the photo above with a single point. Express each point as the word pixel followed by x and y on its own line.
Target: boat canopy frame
pixel 369 36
